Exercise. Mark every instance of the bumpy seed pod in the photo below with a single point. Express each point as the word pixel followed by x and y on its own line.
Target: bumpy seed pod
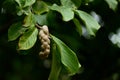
pixel 45 42
pixel 47 51
pixel 45 29
pixel 45 46
pixel 43 55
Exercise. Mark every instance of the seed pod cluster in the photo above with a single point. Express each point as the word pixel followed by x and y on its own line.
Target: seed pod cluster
pixel 45 42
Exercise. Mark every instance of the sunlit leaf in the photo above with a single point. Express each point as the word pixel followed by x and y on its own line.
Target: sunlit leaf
pixel 66 13
pixel 40 7
pixel 112 4
pixel 68 57
pixel 91 24
pixel 15 31
pixel 28 39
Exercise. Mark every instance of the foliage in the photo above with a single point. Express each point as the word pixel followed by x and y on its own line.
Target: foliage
pixel 112 4
pixel 28 38
pixel 65 19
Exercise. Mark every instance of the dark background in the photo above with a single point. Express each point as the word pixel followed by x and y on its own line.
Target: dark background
pixel 99 58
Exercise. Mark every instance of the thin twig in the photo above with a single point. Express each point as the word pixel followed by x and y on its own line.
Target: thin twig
pixel 38 26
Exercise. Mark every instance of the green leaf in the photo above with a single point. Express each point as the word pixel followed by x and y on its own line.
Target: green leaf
pixel 28 39
pixel 22 11
pixel 56 64
pixel 20 2
pixel 25 3
pixel 40 7
pixel 29 2
pixel 77 2
pixel 68 4
pixel 66 13
pixel 78 26
pixel 91 24
pixel 112 4
pixel 28 20
pixel 15 31
pixel 71 3
pixel 24 6
pixel 68 57
pixel 41 19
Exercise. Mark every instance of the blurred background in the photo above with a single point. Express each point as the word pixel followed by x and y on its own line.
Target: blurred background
pixel 99 56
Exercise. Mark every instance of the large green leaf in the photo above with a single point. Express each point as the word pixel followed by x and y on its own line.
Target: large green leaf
pixel 56 64
pixel 28 39
pixel 91 24
pixel 68 57
pixel 15 31
pixel 40 7
pixel 66 12
pixel 58 71
pixel 112 4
